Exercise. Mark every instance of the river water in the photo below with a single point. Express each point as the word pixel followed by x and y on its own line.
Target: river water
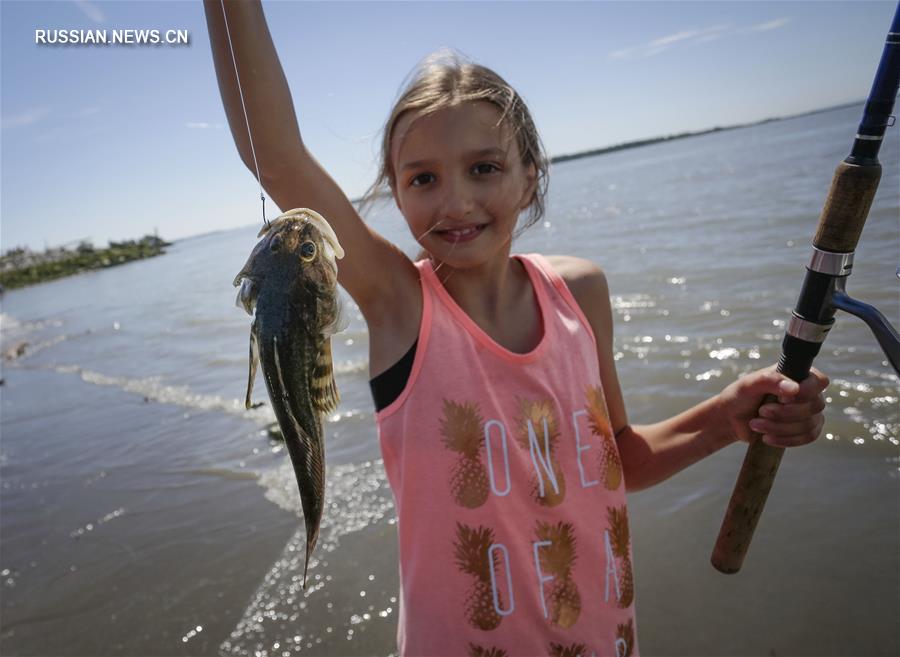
pixel 145 512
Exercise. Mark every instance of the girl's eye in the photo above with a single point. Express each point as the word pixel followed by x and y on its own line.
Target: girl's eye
pixel 421 179
pixel 485 168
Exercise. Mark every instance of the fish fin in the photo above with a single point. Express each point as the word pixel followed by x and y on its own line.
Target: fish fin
pixel 342 323
pixel 337 310
pixel 322 388
pixel 254 360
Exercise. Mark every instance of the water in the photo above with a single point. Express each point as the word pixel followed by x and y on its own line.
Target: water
pixel 145 512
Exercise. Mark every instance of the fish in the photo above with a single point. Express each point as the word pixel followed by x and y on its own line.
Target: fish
pixel 289 287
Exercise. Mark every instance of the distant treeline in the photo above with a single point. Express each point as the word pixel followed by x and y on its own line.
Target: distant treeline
pixel 635 144
pixel 21 266
pixel 681 135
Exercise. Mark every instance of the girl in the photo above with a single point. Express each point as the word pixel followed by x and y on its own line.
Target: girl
pixel 501 420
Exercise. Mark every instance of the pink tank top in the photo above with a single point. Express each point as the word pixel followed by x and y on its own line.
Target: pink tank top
pixel 510 499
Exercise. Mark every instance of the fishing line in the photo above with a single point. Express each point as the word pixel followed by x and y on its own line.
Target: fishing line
pixel 246 118
pixel 429 231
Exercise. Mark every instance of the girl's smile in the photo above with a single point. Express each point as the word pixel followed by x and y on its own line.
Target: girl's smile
pixel 457 235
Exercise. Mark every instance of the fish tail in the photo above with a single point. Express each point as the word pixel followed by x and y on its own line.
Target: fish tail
pixel 306 566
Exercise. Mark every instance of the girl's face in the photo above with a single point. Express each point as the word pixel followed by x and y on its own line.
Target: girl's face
pixel 459 182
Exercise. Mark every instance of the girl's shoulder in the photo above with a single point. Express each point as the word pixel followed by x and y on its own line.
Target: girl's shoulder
pixel 584 278
pixel 587 283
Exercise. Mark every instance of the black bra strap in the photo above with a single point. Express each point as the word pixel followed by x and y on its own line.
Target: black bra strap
pixel 388 385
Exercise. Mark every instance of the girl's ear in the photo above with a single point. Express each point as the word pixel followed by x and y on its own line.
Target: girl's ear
pixel 393 187
pixel 531 188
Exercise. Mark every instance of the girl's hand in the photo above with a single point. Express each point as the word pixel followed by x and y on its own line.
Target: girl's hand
pixel 795 419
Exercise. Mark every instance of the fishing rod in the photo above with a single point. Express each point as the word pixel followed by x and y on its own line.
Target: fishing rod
pixel 823 293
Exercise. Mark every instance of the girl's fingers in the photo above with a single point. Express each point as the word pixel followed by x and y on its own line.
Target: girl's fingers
pixel 795 419
pixel 789 391
pixel 789 434
pixel 812 385
pixel 792 411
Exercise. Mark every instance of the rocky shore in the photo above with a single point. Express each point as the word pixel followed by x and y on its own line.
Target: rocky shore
pixel 21 266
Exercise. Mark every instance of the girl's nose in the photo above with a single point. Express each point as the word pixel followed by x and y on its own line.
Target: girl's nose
pixel 458 201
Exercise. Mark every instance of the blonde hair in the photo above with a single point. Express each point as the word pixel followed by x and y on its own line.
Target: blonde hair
pixel 447 78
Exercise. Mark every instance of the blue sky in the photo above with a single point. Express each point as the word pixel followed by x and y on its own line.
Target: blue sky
pixel 112 142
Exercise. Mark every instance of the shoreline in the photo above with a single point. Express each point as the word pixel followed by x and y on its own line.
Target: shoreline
pixel 556 159
pixel 21 267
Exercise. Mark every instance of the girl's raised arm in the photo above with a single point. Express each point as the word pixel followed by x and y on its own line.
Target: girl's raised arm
pixel 287 171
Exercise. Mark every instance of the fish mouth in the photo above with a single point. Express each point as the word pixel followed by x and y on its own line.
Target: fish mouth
pixel 246 296
pixel 463 234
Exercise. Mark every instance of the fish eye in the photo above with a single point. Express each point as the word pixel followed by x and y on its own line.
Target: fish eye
pixel 307 251
pixel 275 244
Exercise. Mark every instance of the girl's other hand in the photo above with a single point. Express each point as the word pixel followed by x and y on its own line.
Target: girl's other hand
pixel 796 418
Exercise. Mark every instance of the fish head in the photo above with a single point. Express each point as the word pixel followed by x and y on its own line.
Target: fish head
pixel 296 255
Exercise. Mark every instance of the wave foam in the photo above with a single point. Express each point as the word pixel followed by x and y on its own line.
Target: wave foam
pixel 357 497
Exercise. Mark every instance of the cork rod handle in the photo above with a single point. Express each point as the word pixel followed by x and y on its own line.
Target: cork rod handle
pixel 840 225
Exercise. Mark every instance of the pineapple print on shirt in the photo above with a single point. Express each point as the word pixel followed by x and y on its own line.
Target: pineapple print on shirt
pixel 610 464
pixel 475 554
pixel 574 650
pixel 481 651
pixel 555 556
pixel 538 432
pixel 618 543
pixel 625 639
pixel 462 433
